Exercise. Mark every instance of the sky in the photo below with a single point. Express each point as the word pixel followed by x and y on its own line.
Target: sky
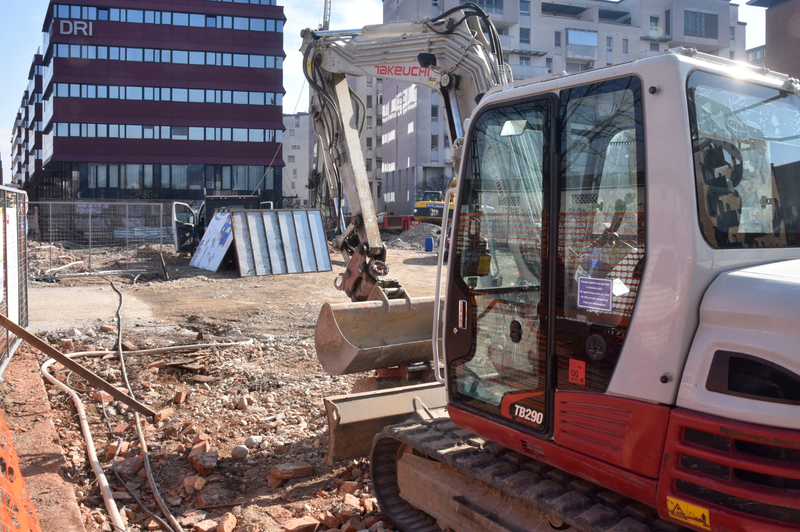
pixel 21 26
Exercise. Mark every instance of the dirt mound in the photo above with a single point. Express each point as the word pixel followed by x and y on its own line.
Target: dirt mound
pixel 414 238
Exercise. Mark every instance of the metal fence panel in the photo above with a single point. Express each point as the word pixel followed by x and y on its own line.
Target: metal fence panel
pixel 85 238
pixel 13 263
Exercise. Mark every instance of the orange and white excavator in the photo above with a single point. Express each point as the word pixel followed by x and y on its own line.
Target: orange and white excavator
pixel 616 347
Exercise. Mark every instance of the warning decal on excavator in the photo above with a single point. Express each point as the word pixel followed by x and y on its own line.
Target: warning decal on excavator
pixel 577 371
pixel 689 513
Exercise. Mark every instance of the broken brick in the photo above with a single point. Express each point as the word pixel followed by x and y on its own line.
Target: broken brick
pixel 292 470
pixel 349 487
pixel 205 526
pixel 67 343
pixel 274 482
pixel 353 525
pixel 351 500
pixel 98 395
pixel 304 524
pixel 130 466
pixel 279 514
pixel 163 414
pixel 157 364
pixel 205 463
pixel 108 328
pixel 201 438
pixel 226 523
pixel 121 428
pixel 180 397
pixel 112 449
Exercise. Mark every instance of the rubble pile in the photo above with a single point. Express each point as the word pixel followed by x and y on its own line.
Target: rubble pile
pixel 238 441
pixel 414 238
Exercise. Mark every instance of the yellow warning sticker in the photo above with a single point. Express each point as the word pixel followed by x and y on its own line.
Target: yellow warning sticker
pixel 689 513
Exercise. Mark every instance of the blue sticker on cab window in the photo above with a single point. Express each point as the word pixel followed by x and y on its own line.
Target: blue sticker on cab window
pixel 595 294
pixel 593 263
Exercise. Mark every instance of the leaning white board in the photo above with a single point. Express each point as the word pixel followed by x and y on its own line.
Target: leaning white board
pixel 215 243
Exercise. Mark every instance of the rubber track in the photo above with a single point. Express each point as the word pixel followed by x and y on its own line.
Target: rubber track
pixel 583 505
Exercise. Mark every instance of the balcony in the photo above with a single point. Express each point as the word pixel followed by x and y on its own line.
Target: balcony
pixel 49 70
pixel 48 108
pixel 508 42
pixel 581 45
pixel 585 52
pixel 528 71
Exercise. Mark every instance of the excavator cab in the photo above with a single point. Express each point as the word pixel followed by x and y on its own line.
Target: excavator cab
pixel 551 303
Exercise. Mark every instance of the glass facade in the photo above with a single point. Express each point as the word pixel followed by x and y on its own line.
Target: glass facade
pixel 164 94
pixel 195 20
pixel 178 57
pixel 160 181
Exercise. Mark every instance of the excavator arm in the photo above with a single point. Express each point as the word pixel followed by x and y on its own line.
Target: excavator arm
pixel 457 54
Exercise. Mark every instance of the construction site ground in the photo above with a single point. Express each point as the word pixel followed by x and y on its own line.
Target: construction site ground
pixel 262 398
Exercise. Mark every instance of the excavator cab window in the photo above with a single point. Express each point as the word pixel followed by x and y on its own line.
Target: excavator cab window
pixel 601 234
pixel 747 162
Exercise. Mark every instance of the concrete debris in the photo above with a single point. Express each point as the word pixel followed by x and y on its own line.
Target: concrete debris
pixel 292 470
pixel 240 452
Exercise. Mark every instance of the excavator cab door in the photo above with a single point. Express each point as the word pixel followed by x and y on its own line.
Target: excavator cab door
pixel 498 298
pixel 547 251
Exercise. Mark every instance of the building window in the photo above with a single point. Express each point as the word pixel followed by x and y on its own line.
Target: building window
pixel 609 50
pixel 525 8
pixel 369 142
pixel 369 165
pixel 549 64
pixel 624 49
pixel 558 43
pixel 291 132
pixel 696 24
pixel 654 47
pixel 525 61
pixel 369 102
pixel 524 36
pixel 653 22
pixel 750 56
pixel 290 159
pixel 297 121
pixel 667 22
pixel 733 34
pixel 758 54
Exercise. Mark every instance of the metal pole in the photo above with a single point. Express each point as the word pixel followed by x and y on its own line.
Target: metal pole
pixel 127 235
pixel 90 237
pixel 161 228
pixel 50 230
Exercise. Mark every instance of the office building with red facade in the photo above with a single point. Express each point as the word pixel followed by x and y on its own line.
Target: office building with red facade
pixel 172 99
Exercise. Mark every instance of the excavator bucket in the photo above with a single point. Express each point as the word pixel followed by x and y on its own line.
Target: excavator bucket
pixel 368 335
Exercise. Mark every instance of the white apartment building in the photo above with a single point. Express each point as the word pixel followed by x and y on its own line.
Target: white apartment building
pixel 540 38
pixel 297 154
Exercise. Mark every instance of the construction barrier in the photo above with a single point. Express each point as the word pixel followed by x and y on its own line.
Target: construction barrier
pixel 17 513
